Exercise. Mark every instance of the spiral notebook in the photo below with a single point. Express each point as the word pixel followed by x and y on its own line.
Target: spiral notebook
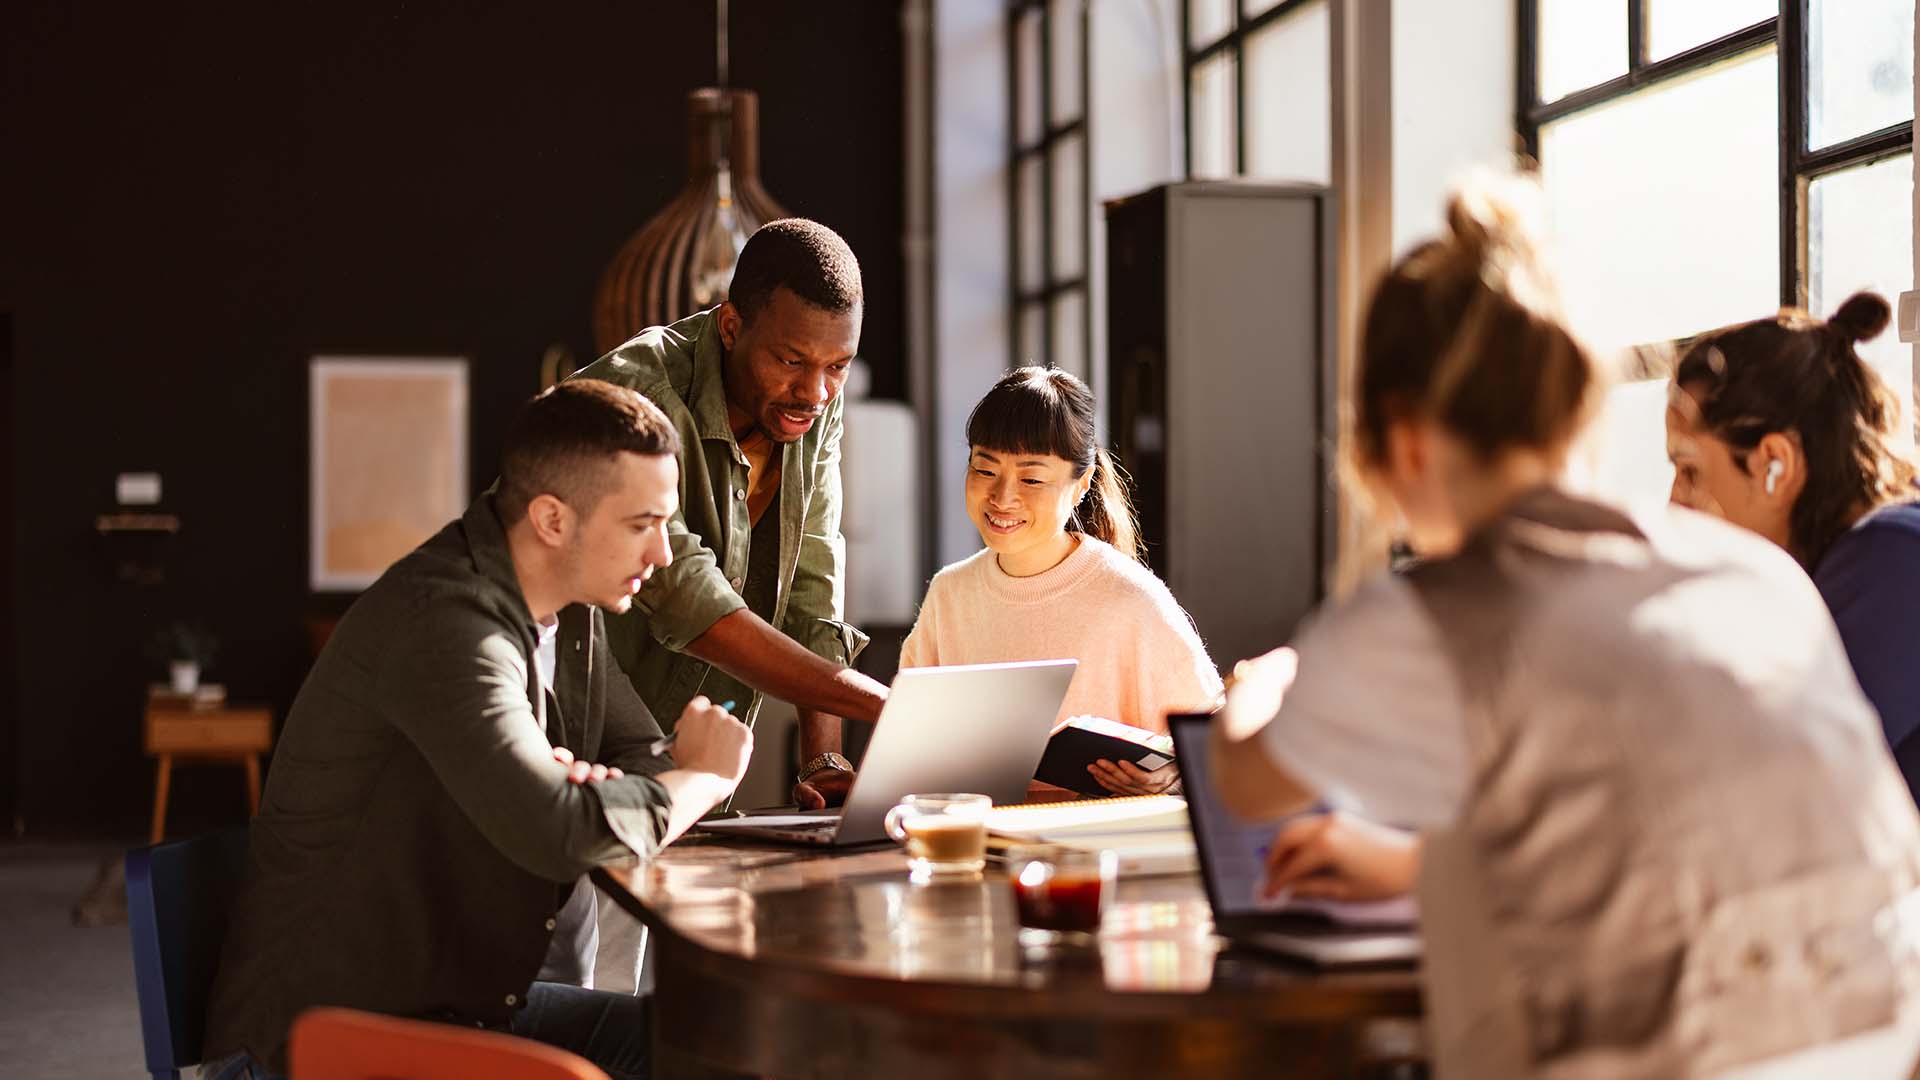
pixel 1149 833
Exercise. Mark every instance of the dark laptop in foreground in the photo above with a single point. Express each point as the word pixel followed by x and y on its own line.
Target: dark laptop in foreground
pixel 1233 864
pixel 977 727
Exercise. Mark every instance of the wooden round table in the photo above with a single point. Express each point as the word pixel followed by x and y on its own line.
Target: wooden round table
pixel 773 962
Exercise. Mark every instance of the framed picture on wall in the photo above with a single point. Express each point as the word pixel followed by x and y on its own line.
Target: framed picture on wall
pixel 387 461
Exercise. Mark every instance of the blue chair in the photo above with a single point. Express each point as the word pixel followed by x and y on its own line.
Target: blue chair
pixel 180 896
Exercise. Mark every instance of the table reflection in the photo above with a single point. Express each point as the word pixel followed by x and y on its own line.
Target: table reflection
pixel 858 913
pixel 942 929
pixel 836 959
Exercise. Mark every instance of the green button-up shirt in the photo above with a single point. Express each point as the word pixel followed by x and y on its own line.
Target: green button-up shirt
pixel 678 368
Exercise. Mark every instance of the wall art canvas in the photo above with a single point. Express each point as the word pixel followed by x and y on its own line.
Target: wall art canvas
pixel 388 468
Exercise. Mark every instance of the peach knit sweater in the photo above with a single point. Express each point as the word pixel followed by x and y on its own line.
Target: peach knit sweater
pixel 1139 655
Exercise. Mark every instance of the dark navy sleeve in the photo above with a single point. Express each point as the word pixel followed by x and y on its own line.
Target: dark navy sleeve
pixel 1870 580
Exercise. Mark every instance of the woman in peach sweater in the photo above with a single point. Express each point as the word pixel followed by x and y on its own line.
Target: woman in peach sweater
pixel 1061 574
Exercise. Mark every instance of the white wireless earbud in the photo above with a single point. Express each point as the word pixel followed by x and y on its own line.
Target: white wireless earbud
pixel 1774 469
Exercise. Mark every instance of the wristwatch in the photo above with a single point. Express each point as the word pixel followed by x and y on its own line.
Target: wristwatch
pixel 821 762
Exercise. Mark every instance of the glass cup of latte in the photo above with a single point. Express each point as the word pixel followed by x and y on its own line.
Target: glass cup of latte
pixel 945 835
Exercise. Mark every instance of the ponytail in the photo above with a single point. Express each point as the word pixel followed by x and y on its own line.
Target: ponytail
pixel 1107 514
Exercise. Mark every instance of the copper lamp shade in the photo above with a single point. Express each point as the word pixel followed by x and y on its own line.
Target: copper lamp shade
pixel 681 261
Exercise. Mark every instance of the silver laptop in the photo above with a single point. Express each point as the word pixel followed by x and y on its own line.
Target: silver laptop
pixel 977 727
pixel 1323 934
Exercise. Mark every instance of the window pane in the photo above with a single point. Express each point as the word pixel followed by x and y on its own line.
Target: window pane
pixel 1070 332
pixel 1290 97
pixel 1033 327
pixel 1860 236
pixel 1666 205
pixel 1212 119
pixel 1207 20
pixel 1067 30
pixel 1622 457
pixel 1032 208
pixel 1069 208
pixel 1582 43
pixel 1674 26
pixel 1026 37
pixel 1859 67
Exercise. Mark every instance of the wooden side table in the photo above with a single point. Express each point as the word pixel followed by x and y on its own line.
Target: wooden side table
pixel 220 734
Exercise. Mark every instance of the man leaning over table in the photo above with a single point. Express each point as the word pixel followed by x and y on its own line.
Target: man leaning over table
pixel 464 751
pixel 752 603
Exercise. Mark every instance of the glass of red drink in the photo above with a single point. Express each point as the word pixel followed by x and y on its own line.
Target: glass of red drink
pixel 1060 892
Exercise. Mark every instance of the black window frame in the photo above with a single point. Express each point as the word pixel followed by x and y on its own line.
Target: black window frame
pixel 1799 165
pixel 1046 293
pixel 1233 41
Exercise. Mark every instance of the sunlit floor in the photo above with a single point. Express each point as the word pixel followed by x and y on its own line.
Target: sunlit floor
pixel 67 1005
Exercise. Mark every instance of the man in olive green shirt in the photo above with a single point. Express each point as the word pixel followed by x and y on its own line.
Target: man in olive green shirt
pixel 753 600
pixel 464 750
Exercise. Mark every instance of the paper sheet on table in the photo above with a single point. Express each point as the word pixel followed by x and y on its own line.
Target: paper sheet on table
pixel 764 821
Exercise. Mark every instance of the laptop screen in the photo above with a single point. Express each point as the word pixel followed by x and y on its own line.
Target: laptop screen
pixel 1233 853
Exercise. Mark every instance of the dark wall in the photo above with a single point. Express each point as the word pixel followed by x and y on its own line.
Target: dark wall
pixel 9 519
pixel 199 200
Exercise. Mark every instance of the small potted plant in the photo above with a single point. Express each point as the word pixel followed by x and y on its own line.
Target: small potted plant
pixel 187 648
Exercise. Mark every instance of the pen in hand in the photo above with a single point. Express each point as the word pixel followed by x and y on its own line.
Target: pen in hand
pixel 665 742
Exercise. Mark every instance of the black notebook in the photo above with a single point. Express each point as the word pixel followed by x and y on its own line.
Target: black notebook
pixel 1087 739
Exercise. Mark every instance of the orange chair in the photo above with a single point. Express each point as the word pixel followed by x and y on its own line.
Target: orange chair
pixel 347 1044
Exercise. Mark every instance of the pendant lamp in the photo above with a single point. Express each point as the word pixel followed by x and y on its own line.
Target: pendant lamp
pixel 682 260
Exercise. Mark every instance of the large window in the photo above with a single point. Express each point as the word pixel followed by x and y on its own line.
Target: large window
pixel 1707 160
pixel 1258 89
pixel 1049 189
pixel 1253 97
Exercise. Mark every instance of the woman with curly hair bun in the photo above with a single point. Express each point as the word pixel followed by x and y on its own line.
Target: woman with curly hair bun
pixel 1779 426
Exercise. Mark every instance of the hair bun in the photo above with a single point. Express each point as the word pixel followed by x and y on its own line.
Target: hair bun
pixel 1862 316
pixel 1494 212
